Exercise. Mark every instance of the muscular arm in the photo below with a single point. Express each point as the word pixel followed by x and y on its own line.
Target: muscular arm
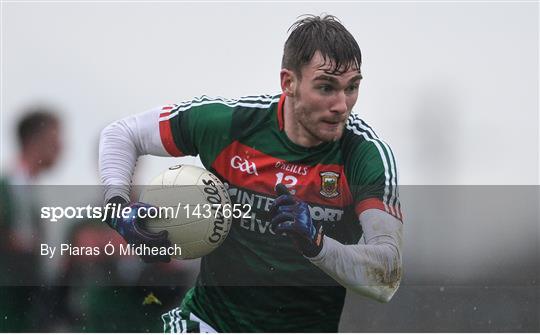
pixel 121 143
pixel 372 269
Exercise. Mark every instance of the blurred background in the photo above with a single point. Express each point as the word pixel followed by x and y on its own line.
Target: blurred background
pixel 451 86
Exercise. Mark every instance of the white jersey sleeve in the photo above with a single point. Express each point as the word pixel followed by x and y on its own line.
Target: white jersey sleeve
pixel 121 143
pixel 372 269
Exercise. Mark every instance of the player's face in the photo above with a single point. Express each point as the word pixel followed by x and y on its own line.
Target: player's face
pixel 323 101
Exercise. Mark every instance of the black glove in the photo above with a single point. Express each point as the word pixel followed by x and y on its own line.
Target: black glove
pixel 292 217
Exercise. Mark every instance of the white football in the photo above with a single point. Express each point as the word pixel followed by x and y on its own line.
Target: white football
pixel 191 201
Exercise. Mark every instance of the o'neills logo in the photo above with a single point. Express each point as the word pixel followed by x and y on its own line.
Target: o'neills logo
pixel 244 165
pixel 213 197
pixel 219 228
pixel 298 169
pixel 329 184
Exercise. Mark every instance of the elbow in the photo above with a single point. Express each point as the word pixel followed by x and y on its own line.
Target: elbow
pixel 110 130
pixel 106 134
pixel 384 296
pixel 391 281
pixel 114 135
pixel 387 293
pixel 383 292
pixel 391 277
pixel 384 282
pixel 380 293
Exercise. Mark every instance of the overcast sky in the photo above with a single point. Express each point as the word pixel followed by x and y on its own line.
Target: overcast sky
pixel 452 87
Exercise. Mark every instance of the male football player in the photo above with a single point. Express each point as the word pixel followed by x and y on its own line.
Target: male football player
pixel 318 178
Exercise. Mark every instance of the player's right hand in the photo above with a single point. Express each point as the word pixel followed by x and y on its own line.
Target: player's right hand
pixel 292 217
pixel 132 229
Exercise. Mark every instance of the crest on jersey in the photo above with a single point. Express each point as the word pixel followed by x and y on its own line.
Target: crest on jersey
pixel 329 184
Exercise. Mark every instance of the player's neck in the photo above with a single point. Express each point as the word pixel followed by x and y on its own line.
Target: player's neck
pixel 294 129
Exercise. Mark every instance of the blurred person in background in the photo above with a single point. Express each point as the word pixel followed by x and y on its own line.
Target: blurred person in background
pixel 127 286
pixel 40 146
pixel 38 134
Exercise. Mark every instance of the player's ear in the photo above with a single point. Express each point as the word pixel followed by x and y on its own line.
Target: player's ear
pixel 288 82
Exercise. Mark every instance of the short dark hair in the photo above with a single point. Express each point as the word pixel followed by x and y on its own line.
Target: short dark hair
pixel 325 34
pixel 35 120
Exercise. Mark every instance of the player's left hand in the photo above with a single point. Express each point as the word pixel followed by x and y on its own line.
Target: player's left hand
pixel 292 217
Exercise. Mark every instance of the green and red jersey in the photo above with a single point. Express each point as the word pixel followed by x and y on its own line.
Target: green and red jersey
pixel 257 281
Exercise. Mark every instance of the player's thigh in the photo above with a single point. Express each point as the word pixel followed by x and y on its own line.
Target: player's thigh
pixel 178 321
